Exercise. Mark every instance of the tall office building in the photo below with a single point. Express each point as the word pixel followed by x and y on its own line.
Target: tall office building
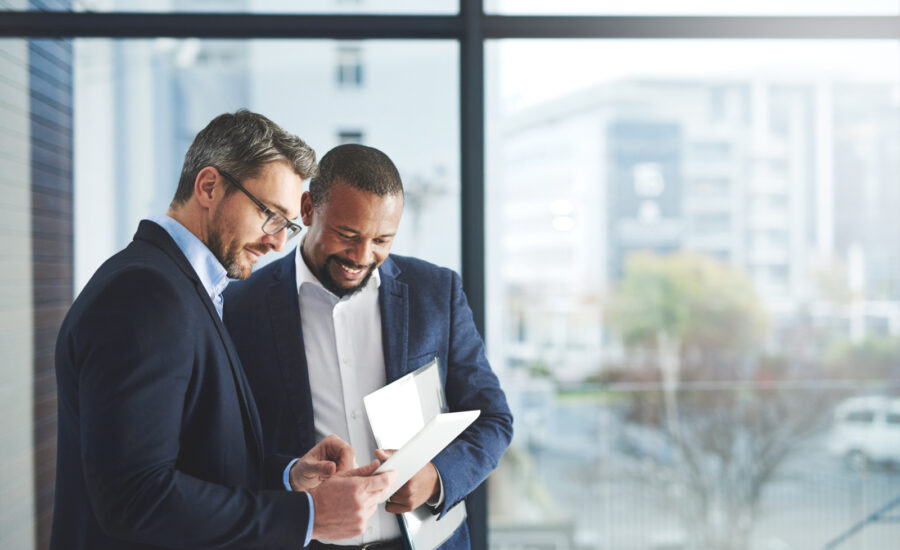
pixel 737 170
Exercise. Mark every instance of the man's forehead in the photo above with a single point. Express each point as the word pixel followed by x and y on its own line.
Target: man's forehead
pixel 279 190
pixel 370 215
pixel 345 192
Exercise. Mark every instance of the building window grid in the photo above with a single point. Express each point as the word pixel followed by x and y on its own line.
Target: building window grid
pixel 350 70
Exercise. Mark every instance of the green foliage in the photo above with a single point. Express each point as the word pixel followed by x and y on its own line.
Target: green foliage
pixel 703 303
pixel 539 369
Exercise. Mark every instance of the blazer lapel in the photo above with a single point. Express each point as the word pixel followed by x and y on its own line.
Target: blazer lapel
pixel 393 298
pixel 284 314
pixel 243 386
pixel 155 234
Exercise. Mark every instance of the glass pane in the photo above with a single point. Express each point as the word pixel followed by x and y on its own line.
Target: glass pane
pixel 139 104
pixel 422 7
pixel 36 279
pixel 16 306
pixel 121 114
pixel 693 7
pixel 692 279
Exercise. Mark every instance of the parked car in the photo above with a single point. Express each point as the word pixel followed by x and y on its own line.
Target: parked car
pixel 866 431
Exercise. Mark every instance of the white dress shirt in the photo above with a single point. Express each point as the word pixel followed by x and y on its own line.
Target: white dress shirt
pixel 345 358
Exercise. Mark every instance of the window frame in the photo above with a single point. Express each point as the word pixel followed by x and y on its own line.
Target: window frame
pixel 471 28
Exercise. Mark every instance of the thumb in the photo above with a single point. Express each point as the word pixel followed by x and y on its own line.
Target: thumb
pixel 364 471
pixel 324 468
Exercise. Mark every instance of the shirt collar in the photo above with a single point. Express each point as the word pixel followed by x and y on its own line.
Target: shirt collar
pixel 305 276
pixel 212 275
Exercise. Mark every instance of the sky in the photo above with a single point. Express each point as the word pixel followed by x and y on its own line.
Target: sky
pixel 529 71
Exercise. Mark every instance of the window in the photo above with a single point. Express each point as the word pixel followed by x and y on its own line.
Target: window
pixel 700 214
pixel 350 136
pixel 349 67
pixel 861 417
pixel 160 104
pixel 744 183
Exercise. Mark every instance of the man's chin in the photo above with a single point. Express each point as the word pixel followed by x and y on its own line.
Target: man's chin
pixel 242 270
pixel 349 288
pixel 343 290
pixel 236 270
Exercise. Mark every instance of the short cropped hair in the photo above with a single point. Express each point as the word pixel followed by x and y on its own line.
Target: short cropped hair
pixel 358 166
pixel 241 144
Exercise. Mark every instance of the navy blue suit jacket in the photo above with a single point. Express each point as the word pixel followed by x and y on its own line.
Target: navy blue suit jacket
pixel 424 314
pixel 159 441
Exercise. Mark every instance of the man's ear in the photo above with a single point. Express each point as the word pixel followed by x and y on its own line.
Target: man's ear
pixel 205 186
pixel 307 209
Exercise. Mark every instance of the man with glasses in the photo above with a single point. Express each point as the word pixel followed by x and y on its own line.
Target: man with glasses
pixel 341 317
pixel 159 441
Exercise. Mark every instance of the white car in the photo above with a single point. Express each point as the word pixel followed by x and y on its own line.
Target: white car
pixel 866 430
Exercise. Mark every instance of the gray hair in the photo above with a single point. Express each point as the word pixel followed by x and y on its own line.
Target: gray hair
pixel 241 144
pixel 359 166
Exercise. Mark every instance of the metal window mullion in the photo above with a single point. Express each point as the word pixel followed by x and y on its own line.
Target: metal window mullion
pixel 253 25
pixel 472 223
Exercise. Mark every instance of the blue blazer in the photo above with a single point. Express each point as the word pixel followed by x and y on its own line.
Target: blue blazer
pixel 159 442
pixel 424 314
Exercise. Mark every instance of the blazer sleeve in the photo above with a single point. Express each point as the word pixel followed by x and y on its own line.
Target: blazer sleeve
pixel 471 384
pixel 135 354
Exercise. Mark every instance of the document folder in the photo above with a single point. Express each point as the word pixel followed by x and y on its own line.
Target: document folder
pixel 425 445
pixel 397 413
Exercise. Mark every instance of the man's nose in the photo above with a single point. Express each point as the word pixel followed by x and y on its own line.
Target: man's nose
pixel 361 253
pixel 276 241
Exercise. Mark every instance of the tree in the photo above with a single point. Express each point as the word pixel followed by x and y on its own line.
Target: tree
pixel 731 433
pixel 695 302
pixel 696 313
pixel 875 358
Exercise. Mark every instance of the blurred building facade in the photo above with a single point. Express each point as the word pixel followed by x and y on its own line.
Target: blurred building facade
pixel 745 171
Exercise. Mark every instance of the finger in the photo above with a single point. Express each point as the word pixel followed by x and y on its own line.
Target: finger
pixel 381 485
pixel 403 495
pixel 376 488
pixel 340 452
pixel 394 508
pixel 364 471
pixel 384 454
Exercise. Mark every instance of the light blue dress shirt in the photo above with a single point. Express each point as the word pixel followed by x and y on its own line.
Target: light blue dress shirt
pixel 212 275
pixel 214 279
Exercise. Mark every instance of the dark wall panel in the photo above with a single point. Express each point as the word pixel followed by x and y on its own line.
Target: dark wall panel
pixel 50 93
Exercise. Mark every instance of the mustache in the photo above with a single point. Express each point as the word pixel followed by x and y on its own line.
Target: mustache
pixel 348 263
pixel 261 248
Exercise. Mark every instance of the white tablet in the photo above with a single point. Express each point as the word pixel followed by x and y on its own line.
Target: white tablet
pixel 426 444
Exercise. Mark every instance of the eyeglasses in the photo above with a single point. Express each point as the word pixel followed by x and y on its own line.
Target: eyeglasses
pixel 275 221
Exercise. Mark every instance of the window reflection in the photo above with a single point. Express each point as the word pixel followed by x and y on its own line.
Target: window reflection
pixel 140 102
pixel 677 348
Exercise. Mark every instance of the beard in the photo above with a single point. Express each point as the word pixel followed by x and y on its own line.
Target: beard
pixel 228 254
pixel 329 283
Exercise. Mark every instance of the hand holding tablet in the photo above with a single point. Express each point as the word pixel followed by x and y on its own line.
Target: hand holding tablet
pixel 426 444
